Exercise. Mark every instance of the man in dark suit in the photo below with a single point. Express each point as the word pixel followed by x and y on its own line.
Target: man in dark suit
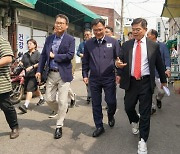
pixel 57 54
pixel 100 53
pixel 138 59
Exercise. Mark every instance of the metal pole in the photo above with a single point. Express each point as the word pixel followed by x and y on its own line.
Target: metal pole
pixel 122 13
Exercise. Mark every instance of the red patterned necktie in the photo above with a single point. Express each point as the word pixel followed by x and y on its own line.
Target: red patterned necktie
pixel 137 64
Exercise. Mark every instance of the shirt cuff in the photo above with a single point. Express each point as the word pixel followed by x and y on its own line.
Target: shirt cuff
pixel 168 68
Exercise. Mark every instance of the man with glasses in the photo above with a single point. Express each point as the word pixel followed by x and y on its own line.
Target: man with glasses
pixel 138 59
pixel 57 53
pixel 80 53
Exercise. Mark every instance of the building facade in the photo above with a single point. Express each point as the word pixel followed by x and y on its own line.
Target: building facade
pixel 162 27
pixel 112 18
pixel 174 28
pixel 19 22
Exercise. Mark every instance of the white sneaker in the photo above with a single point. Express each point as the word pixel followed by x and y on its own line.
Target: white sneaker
pixel 53 114
pixel 135 128
pixel 142 147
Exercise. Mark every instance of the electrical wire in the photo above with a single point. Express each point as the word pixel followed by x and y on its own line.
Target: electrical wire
pixel 145 9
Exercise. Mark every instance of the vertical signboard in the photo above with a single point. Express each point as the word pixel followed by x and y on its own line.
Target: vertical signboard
pixel 23 35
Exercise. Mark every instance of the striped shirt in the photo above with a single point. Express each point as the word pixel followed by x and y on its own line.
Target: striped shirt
pixel 5 82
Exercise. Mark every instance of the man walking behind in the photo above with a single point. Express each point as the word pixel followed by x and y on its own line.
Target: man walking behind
pixel 165 55
pixel 80 53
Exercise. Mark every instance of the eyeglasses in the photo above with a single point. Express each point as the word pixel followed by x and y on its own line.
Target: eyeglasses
pixel 60 23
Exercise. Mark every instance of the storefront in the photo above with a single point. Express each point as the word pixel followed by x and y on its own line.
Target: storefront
pixel 27 19
pixel 32 24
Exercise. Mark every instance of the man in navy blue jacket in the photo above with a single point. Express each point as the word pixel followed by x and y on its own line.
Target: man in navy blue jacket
pixel 165 55
pixel 100 54
pixel 80 53
pixel 57 54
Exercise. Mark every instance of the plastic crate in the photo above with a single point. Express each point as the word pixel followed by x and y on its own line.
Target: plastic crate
pixel 174 68
pixel 175 72
pixel 174 60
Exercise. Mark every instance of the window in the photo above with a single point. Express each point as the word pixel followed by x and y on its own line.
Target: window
pixel 117 25
pixel 106 20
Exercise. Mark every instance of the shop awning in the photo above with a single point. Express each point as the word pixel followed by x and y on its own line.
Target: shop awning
pixel 76 5
pixel 27 3
pixel 76 12
pixel 171 9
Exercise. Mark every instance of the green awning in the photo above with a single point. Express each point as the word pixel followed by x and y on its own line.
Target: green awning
pixel 76 5
pixel 76 12
pixel 27 3
pixel 171 9
pixel 171 43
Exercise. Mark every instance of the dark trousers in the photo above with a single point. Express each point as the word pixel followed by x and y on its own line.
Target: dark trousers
pixel 140 90
pixel 9 110
pixel 109 87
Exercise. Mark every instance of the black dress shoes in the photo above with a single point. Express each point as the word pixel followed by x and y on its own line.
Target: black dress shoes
pixel 159 104
pixel 153 111
pixel 58 133
pixel 111 122
pixel 14 133
pixel 98 132
pixel 88 100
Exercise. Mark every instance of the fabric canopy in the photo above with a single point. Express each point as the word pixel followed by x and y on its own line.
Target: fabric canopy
pixel 77 13
pixel 27 3
pixel 76 5
pixel 171 9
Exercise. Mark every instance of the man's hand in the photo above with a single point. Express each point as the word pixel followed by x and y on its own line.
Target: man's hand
pixel 81 55
pixel 51 54
pixel 168 73
pixel 163 84
pixel 29 68
pixel 118 79
pixel 86 80
pixel 38 77
pixel 119 63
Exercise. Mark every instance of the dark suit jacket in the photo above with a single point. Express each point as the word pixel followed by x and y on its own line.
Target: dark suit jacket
pixel 154 60
pixel 63 58
pixel 100 59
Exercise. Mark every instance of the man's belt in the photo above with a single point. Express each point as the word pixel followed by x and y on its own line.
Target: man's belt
pixel 141 78
pixel 54 70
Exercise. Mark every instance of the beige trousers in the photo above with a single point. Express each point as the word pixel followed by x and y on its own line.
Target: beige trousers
pixel 54 85
pixel 71 94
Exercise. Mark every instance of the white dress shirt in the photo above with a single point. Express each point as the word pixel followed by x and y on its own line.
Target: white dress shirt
pixel 144 58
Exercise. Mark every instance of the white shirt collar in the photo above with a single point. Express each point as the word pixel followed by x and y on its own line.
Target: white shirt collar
pixel 142 40
pixel 101 38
